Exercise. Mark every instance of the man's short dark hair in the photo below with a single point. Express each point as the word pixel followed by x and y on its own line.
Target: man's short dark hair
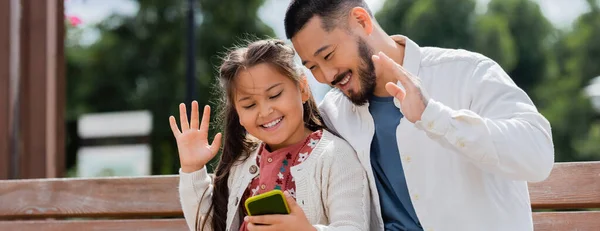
pixel 299 12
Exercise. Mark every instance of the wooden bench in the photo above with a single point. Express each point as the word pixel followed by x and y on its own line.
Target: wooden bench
pixel 151 203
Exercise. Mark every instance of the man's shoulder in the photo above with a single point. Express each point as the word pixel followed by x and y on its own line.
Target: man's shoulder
pixel 334 98
pixel 434 56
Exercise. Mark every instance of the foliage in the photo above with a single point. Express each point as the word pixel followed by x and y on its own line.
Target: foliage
pixel 138 63
pixel 551 65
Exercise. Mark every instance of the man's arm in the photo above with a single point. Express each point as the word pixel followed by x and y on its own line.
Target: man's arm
pixel 502 132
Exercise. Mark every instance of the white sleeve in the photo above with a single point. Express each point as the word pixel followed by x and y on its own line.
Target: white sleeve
pixel 502 132
pixel 195 189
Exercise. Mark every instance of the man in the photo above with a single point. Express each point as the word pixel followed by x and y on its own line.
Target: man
pixel 449 137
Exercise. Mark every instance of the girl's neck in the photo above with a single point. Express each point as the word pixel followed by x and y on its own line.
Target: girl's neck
pixel 293 139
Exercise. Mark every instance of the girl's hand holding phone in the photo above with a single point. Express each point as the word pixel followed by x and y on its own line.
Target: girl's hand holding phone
pixel 192 140
pixel 296 220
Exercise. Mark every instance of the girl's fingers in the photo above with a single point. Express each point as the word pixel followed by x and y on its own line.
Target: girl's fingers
pixel 195 115
pixel 216 144
pixel 174 127
pixel 205 122
pixel 183 118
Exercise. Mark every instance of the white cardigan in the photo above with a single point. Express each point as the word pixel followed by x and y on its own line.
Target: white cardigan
pixel 331 188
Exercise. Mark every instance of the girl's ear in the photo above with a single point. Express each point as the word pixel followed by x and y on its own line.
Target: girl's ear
pixel 304 89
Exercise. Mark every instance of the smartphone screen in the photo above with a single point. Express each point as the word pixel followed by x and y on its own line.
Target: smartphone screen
pixel 267 204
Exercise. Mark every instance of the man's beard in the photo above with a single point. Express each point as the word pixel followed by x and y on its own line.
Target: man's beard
pixel 366 75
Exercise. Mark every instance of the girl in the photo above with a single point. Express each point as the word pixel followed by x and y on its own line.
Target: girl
pixel 274 139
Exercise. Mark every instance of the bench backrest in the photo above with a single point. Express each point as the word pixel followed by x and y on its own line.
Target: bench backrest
pixel 152 203
pixel 574 190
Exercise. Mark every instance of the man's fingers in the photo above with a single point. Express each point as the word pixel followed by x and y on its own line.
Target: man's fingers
pixel 395 91
pixel 380 68
pixel 174 127
pixel 394 68
pixel 183 118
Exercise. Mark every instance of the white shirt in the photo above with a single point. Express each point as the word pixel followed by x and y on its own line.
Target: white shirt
pixel 479 140
pixel 331 188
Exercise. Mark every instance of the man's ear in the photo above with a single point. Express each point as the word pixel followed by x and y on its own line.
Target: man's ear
pixel 304 88
pixel 360 16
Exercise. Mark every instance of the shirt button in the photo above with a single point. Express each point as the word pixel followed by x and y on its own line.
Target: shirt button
pixel 253 169
pixel 416 197
pixel 407 159
pixel 430 125
pixel 270 160
pixel 263 187
pixel 396 102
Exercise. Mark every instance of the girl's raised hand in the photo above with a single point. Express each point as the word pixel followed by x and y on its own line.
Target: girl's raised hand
pixel 192 139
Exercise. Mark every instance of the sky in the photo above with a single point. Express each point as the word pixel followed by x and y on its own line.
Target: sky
pixel 561 13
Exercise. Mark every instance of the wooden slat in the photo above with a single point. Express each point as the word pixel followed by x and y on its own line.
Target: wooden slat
pixel 41 105
pixel 556 221
pixel 570 185
pixel 60 93
pixel 99 197
pixel 104 225
pixel 5 16
pixel 551 221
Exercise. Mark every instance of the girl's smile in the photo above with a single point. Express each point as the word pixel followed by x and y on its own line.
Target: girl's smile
pixel 270 105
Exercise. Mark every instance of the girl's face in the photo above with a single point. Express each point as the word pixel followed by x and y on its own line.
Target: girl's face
pixel 269 105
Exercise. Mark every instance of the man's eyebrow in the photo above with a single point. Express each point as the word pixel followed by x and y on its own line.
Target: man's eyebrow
pixel 317 52
pixel 321 50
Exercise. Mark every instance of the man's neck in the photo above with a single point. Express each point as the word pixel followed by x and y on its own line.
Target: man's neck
pixel 394 50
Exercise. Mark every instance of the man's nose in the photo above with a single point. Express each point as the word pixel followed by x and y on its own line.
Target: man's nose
pixel 329 73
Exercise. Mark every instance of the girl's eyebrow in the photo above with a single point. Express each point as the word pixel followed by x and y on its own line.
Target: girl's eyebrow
pixel 273 86
pixel 268 89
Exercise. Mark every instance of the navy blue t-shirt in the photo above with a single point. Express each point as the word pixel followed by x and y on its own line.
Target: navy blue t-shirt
pixel 396 207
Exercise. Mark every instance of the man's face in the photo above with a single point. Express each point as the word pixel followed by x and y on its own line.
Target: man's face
pixel 338 58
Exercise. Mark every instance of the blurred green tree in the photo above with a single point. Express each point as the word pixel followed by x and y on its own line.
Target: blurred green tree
pixel 494 40
pixel 551 65
pixel 531 33
pixel 442 23
pixel 576 126
pixel 138 63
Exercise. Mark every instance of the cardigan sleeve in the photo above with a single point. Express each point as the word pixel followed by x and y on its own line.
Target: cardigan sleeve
pixel 195 194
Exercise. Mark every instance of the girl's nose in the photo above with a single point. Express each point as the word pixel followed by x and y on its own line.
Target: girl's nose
pixel 265 110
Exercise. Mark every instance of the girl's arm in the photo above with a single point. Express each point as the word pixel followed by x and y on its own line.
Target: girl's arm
pixel 195 188
pixel 195 195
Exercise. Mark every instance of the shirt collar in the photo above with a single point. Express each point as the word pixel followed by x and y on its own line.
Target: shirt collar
pixel 412 54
